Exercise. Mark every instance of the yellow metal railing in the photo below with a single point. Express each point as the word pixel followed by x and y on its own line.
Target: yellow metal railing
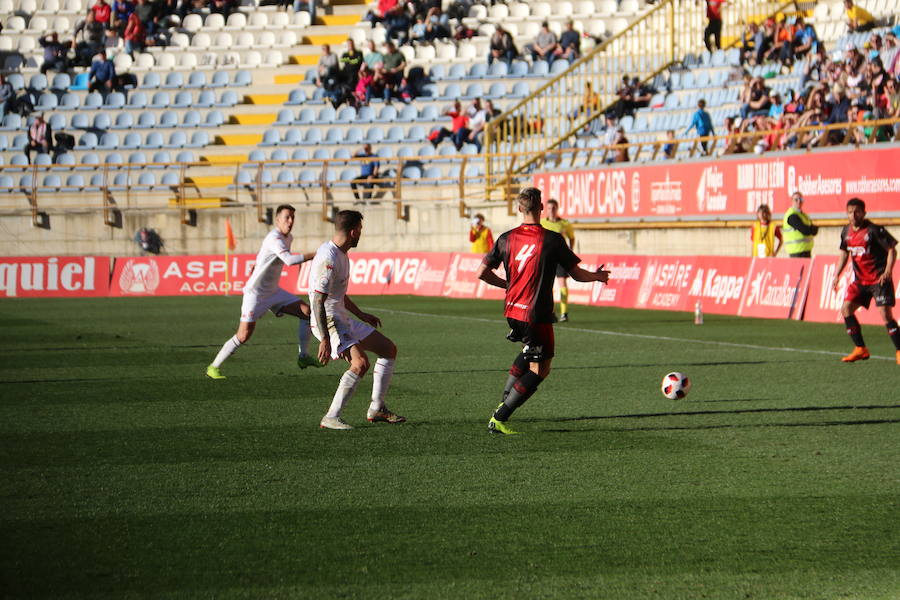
pixel 572 100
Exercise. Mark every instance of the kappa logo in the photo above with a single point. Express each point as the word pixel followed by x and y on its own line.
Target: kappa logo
pixel 139 277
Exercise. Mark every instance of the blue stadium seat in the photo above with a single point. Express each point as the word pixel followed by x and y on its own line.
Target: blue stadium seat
pixel 473 90
pixel 497 89
pixel 169 178
pixel 341 154
pixel 26 182
pixel 19 142
pixel 307 116
pixel 347 114
pixel 452 92
pixel 326 115
pixel 498 69
pixel 11 122
pixel 132 141
pixel 353 135
pixel 183 99
pixel 292 137
pixel 411 173
pixel 434 173
pixel 191 119
pixel 437 72
pixel 313 136
pixel 43 160
pixel 102 122
pixel 108 141
pixel 160 100
pixel 457 71
pixel 177 139
pixel 114 100
pixel 146 180
pixel 120 182
pixel 46 102
pixel 80 83
pixel 347 175
pixel 285 117
pixel 65 161
pixel 296 97
pixel 168 120
pixel 558 67
pixel 271 137
pixel 56 121
pixel 199 139
pixel 137 100
pixel 387 114
pixel 374 135
pixel 214 118
pixel 174 80
pixel 279 155
pixel 69 102
pixel 137 158
pixel 146 120
pixel 408 113
pixel 243 178
pixel 89 161
pixel 320 154
pixel 334 136
pixel 242 79
pixel 219 80
pixel 51 181
pixel 196 80
pixel 416 134
pixel 151 80
pixel 88 141
pixel 388 151
pixel 520 89
pixel 18 160
pixel 394 135
pixel 6 182
pixel 96 182
pixel 430 90
pixel 285 179
pixel 311 75
pixel 227 100
pixel 154 140
pixel 307 177
pixel 38 82
pixel 162 156
pixel 478 71
pixel 429 112
pixel 185 156
pixel 300 154
pixel 206 99
pixel 539 68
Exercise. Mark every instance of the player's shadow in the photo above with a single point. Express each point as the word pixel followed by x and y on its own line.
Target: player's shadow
pixel 856 422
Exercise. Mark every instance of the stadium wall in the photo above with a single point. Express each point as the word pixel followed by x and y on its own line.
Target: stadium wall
pixel 654 209
pixel 769 287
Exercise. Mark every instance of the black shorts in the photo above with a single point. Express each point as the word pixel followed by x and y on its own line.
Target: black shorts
pixel 561 271
pixel 863 294
pixel 538 338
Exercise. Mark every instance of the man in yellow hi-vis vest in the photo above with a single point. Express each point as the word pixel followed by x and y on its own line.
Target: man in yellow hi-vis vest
pixel 798 229
pixel 554 222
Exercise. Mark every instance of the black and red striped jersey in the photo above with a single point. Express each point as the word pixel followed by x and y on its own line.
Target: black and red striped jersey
pixel 868 247
pixel 530 253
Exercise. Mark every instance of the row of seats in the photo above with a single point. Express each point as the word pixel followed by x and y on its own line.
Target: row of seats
pixel 63 82
pixel 124 120
pixel 134 140
pixel 138 100
pixel 76 182
pixel 91 160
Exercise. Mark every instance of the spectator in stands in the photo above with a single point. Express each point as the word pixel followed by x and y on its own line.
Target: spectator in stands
pixel 478 118
pixel 328 62
pixel 714 25
pixel 758 100
pixel 671 146
pixel 544 45
pixel 148 241
pixel 620 151
pixel 502 46
pixel 54 53
pixel 890 101
pixel 459 131
pixel 437 25
pixel 764 234
pixel 751 42
pixel 419 33
pixel 102 76
pixel 610 134
pixel 102 13
pixel 7 96
pixel 480 236
pixel 464 32
pixel 40 137
pixel 858 18
pixel 121 10
pixel 394 66
pixel 368 174
pixel 642 92
pixel 147 14
pixel 398 24
pixel 838 109
pixel 702 123
pixel 372 56
pixel 309 5
pixel 569 46
pixel 590 104
pixel 365 83
pixel 380 12
pixel 351 61
pixel 805 40
pixel 817 66
pixel 734 142
pixel 776 109
pixel 135 35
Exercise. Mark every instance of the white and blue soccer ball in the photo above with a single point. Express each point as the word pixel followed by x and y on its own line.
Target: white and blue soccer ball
pixel 675 386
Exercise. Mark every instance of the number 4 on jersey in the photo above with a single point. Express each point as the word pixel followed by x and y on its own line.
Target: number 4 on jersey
pixel 525 252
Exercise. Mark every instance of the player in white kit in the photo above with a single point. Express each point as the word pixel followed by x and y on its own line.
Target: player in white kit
pixel 342 336
pixel 261 293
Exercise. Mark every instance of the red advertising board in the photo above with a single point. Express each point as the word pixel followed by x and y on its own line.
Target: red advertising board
pixel 54 276
pixel 374 273
pixel 181 275
pixel 823 303
pixel 776 288
pixel 679 282
pixel 460 280
pixel 728 187
pixel 625 275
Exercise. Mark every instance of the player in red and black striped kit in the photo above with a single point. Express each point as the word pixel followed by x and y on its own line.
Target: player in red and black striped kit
pixel 873 251
pixel 530 254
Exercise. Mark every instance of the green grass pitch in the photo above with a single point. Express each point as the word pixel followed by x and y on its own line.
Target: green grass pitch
pixel 125 472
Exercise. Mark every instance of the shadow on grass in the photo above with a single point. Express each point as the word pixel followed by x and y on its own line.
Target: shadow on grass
pixel 729 426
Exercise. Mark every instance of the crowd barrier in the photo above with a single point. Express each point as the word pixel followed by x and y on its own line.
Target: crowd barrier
pixel 783 288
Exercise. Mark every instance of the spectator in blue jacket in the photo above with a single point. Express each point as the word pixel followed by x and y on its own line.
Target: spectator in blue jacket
pixel 102 76
pixel 702 122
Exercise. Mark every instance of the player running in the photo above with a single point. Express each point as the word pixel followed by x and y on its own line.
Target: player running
pixel 261 293
pixel 554 222
pixel 348 338
pixel 530 254
pixel 873 252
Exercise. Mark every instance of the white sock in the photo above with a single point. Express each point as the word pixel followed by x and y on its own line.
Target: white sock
pixel 227 350
pixel 381 374
pixel 345 389
pixel 303 335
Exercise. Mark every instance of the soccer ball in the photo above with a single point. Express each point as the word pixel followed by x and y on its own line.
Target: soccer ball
pixel 675 386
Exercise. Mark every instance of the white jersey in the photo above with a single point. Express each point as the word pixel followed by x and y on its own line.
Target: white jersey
pixel 329 275
pixel 274 253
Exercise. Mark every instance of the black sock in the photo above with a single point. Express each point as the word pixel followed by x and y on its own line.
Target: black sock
pixel 522 390
pixel 518 368
pixel 854 331
pixel 894 332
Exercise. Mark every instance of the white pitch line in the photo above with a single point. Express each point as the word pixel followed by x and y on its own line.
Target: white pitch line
pixel 635 335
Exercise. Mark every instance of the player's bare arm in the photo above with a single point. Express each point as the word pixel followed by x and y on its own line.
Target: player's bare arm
pixel 318 308
pixel 842 262
pixel 579 274
pixel 489 277
pixel 888 266
pixel 360 314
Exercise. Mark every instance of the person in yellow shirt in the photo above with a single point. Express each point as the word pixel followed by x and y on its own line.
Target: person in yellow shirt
pixel 858 18
pixel 554 222
pixel 765 235
pixel 480 235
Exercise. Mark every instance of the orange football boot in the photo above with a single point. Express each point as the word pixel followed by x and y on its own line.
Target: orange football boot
pixel 859 353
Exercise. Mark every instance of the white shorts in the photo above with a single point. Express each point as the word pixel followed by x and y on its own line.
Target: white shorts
pixel 253 306
pixel 347 333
